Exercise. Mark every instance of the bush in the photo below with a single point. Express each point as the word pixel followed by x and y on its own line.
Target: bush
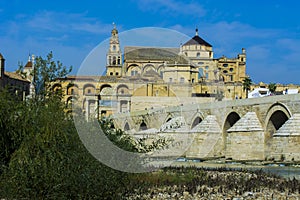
pixel 46 159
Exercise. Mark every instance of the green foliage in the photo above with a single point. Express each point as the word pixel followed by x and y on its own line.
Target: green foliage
pixel 42 156
pixel 45 71
pixel 247 82
pixel 12 126
pixel 272 87
pixel 51 162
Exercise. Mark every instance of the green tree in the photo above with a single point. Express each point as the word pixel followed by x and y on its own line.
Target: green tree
pixel 45 71
pixel 247 84
pixel 12 126
pixel 272 87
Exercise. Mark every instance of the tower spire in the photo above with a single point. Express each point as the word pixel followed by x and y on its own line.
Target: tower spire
pixel 196 31
pixel 114 54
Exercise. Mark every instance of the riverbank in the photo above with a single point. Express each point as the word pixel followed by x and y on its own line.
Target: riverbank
pixel 288 171
pixel 214 183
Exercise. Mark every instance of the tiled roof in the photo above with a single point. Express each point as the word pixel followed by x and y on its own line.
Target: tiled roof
pixel 197 40
pixel 14 75
pixel 28 64
pixel 153 53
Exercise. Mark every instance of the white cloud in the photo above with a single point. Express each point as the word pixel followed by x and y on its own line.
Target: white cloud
pixel 66 22
pixel 172 7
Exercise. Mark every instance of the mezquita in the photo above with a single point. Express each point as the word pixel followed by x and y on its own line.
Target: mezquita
pixel 141 78
pixel 145 77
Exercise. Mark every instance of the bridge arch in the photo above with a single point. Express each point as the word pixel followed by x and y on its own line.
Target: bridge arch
pixel 126 127
pixel 196 120
pixel 168 118
pixel 143 126
pixel 276 116
pixel 230 120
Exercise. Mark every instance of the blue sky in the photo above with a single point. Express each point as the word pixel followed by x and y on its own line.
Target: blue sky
pixel 269 30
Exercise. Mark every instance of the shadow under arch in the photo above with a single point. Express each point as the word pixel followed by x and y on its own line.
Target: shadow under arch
pixel 143 126
pixel 197 120
pixel 230 120
pixel 126 127
pixel 276 116
pixel 169 119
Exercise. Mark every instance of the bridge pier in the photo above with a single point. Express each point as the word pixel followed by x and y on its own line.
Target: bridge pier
pixel 249 129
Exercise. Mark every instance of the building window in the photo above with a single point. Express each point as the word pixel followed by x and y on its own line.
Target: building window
pixel 230 78
pixel 225 65
pixel 114 60
pixel 231 69
pixel 193 80
pixel 109 60
pixel 198 55
pixel 225 71
pixel 181 80
pixel 114 47
pixel 111 73
pixel 134 73
pixel 200 73
pixel 206 67
pixel 206 75
pixel 89 91
pixel 170 80
pixel 117 73
pixel 119 60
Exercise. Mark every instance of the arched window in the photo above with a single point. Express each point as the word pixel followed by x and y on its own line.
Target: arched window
pixel 198 55
pixel 119 60
pixel 114 60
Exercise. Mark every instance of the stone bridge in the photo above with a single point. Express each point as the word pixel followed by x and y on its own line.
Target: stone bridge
pixel 265 128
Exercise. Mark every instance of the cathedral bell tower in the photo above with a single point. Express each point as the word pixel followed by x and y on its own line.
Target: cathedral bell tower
pixel 114 55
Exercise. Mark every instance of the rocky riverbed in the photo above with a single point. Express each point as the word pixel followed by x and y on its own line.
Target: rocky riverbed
pixel 191 184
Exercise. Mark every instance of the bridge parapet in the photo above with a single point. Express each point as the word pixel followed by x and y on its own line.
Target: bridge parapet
pixel 235 121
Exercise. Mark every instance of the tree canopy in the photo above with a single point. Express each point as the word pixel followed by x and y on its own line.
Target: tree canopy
pixel 272 87
pixel 46 70
pixel 247 85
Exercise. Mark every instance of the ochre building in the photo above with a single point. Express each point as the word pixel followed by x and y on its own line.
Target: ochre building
pixel 149 77
pixel 13 82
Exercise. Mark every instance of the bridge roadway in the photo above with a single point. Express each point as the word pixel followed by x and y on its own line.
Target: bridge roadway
pixel 266 128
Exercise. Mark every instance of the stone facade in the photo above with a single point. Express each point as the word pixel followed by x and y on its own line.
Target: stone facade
pixel 187 71
pixel 13 81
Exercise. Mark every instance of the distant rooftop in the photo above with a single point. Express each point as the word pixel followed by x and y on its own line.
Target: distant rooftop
pixel 16 76
pixel 197 40
pixel 153 53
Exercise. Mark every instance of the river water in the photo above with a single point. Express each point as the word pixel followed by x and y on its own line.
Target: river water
pixel 287 172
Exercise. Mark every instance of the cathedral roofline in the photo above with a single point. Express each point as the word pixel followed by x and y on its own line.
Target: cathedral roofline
pixel 197 40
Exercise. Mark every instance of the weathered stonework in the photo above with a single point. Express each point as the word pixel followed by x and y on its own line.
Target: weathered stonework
pixel 248 129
